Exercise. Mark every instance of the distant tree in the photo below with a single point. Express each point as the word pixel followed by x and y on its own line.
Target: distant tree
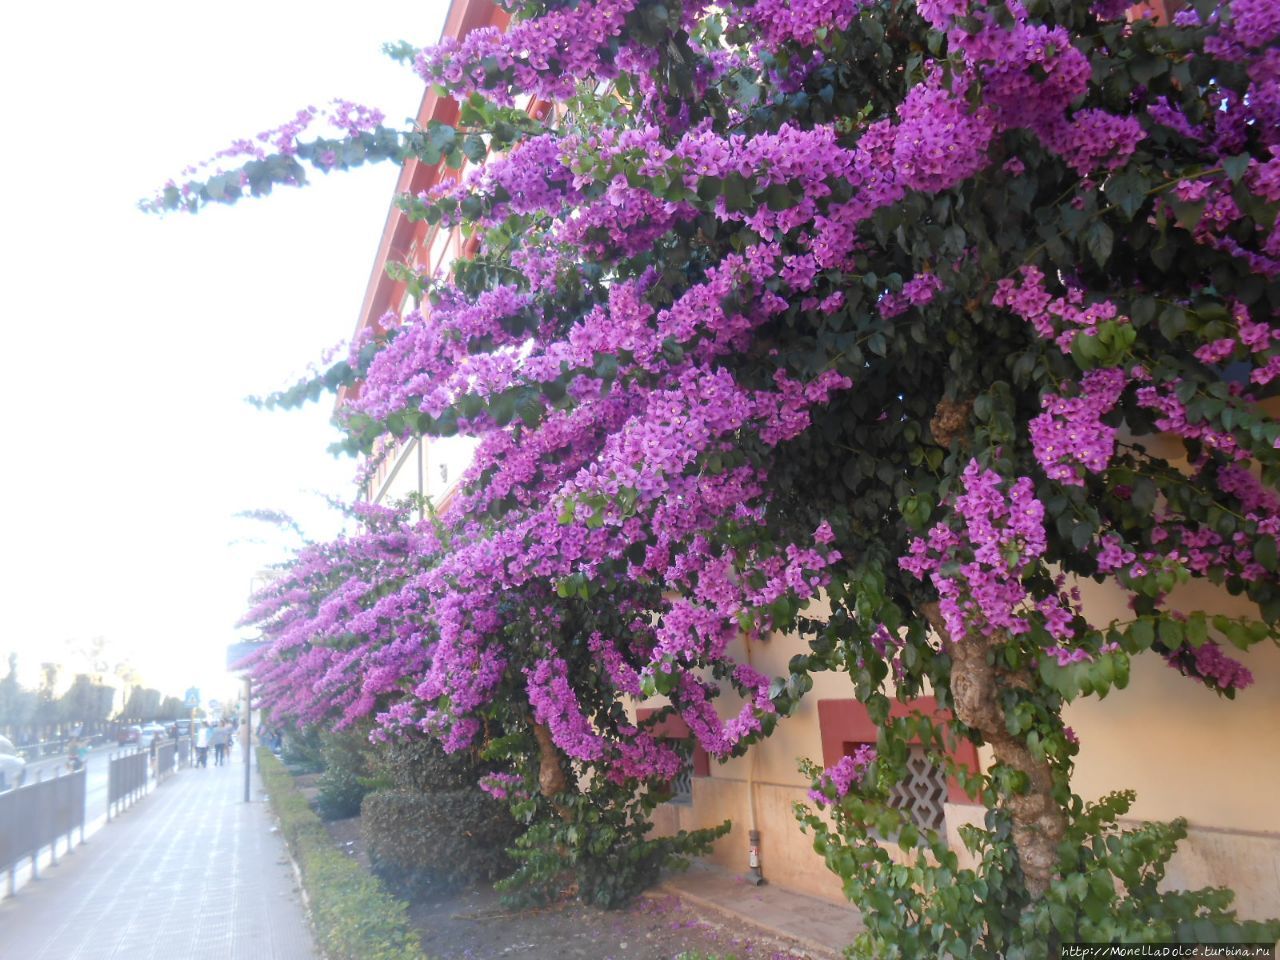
pixel 48 712
pixel 17 705
pixel 143 704
pixel 86 701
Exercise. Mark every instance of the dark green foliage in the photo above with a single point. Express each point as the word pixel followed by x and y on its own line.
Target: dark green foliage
pixel 444 838
pixel 596 845
pixel 422 766
pixel 300 750
pixel 352 914
pixel 1108 890
pixel 344 783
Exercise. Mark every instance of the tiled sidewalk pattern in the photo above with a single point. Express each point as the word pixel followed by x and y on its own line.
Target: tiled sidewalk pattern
pixel 191 872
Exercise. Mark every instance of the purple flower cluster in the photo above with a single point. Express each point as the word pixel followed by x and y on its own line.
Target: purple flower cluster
pixel 1070 434
pixel 1053 318
pixel 1208 664
pixel 997 537
pixel 842 776
pixel 916 292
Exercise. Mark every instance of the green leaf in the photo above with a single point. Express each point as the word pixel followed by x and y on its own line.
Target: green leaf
pixel 737 194
pixel 1264 551
pixel 442 136
pixel 778 197
pixel 1099 241
pixel 709 188
pixel 502 408
pixel 1234 167
pixel 1189 214
pixel 474 149
pixel 1128 191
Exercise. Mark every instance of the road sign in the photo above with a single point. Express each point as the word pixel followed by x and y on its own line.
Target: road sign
pixel 192 699
pixel 237 652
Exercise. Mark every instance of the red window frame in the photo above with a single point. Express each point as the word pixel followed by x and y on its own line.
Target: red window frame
pixel 845 724
pixel 672 727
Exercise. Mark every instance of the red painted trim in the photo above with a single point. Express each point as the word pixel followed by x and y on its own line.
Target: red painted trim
pixel 673 727
pixel 843 722
pixel 398 233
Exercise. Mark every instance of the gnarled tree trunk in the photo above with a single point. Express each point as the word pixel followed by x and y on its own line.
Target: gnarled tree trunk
pixel 1039 822
pixel 551 778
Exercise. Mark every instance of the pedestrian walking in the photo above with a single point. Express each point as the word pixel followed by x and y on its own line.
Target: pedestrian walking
pixel 202 746
pixel 218 739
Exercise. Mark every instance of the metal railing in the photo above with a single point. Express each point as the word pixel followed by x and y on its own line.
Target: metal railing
pixel 184 752
pixel 38 815
pixel 166 755
pixel 126 779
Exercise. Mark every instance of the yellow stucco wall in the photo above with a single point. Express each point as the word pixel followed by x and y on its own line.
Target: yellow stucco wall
pixel 1185 751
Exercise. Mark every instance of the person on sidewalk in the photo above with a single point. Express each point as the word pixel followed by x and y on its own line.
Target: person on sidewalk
pixel 218 738
pixel 202 745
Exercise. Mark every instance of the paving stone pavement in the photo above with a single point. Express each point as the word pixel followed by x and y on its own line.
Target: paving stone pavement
pixel 821 927
pixel 191 872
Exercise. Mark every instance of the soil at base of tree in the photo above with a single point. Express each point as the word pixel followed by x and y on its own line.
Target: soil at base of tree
pixel 474 925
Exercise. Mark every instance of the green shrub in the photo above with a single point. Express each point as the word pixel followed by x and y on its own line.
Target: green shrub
pixel 353 916
pixel 421 766
pixel 442 838
pixel 346 775
pixel 598 845
pixel 300 750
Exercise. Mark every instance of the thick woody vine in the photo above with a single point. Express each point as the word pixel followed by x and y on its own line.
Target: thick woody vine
pixel 897 304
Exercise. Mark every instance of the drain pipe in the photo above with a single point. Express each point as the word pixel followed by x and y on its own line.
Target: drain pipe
pixel 754 875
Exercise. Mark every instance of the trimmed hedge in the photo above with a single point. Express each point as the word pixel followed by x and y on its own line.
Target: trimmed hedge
pixel 443 838
pixel 353 915
pixel 421 766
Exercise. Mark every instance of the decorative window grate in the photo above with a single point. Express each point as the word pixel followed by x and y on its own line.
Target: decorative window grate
pixel 682 785
pixel 923 792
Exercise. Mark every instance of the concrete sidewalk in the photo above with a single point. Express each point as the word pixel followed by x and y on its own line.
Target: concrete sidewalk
pixel 823 929
pixel 190 872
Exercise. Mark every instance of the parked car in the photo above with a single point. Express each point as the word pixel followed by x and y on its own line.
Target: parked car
pixel 183 728
pixel 13 768
pixel 128 735
pixel 149 732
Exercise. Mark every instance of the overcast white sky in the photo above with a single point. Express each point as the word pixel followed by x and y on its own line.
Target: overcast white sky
pixel 131 340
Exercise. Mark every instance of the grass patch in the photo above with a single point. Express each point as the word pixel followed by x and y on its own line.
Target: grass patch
pixel 354 917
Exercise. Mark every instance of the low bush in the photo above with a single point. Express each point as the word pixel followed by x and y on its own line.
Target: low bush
pixel 353 915
pixel 346 775
pixel 300 750
pixel 439 839
pixel 421 766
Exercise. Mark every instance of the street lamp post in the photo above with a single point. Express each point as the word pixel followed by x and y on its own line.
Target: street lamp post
pixel 248 730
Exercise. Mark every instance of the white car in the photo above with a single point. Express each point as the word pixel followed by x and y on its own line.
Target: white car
pixel 12 767
pixel 149 733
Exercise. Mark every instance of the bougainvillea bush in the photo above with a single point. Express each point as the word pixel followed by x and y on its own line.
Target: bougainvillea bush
pixel 930 309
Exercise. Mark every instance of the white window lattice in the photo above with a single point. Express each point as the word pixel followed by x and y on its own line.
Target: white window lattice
pixel 682 785
pixel 922 793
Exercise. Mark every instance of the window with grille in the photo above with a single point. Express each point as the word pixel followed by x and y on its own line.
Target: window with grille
pixel 922 793
pixel 682 785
